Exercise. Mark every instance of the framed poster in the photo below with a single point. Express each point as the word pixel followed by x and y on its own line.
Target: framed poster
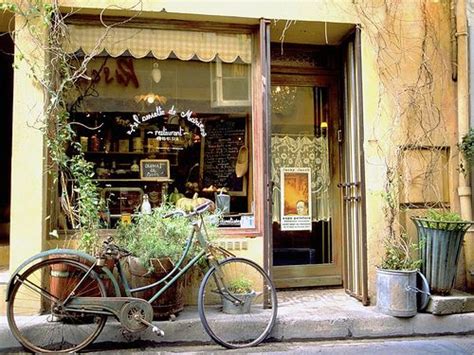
pixel 295 199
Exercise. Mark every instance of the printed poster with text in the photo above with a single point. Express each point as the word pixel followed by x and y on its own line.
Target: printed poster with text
pixel 296 199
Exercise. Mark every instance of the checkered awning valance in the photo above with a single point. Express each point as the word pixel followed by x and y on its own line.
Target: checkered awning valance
pixel 160 43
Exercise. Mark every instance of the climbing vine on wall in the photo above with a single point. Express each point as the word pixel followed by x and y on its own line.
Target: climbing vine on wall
pixel 57 73
pixel 410 130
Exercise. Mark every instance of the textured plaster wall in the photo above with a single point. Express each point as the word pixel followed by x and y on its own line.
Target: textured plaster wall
pixel 404 106
pixel 28 190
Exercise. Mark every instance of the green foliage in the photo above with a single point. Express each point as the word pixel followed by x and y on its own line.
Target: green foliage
pixel 57 77
pixel 467 146
pixel 437 217
pixel 240 285
pixel 401 254
pixel 151 236
pixel 443 216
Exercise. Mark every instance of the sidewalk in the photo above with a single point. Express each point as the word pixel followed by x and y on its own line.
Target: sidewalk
pixel 302 315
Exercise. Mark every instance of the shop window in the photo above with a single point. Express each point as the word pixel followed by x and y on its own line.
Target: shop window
pixel 156 127
pixel 230 84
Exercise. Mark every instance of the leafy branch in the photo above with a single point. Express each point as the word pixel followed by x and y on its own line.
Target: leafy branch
pixel 58 73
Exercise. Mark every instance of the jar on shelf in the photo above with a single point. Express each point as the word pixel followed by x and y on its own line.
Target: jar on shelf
pixel 84 143
pixel 135 169
pixel 124 145
pixel 137 145
pixel 152 145
pixel 95 143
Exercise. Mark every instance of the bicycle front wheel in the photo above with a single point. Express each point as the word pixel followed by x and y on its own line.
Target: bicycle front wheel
pixel 233 318
pixel 36 314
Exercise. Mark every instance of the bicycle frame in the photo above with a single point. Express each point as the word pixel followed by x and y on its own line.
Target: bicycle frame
pixel 64 309
pixel 61 252
pixel 168 280
pixel 178 270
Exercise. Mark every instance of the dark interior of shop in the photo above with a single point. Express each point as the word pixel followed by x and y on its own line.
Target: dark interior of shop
pixel 6 100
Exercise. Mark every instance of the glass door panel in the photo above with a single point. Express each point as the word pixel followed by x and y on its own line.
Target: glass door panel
pixel 304 161
pixel 300 175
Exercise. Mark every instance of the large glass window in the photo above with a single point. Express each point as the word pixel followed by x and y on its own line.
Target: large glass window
pixel 168 128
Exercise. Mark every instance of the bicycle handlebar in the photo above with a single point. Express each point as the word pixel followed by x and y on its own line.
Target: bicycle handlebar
pixel 112 248
pixel 197 211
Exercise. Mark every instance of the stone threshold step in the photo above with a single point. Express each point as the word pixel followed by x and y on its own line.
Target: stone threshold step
pixel 456 302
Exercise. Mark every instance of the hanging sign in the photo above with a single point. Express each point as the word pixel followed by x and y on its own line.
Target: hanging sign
pixel 295 199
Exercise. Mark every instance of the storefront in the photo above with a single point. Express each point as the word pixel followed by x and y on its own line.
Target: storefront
pixel 266 118
pixel 170 113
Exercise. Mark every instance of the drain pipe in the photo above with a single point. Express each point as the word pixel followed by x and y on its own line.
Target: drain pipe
pixel 464 188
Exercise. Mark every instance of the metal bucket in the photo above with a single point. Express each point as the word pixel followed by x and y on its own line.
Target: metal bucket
pixel 440 250
pixel 396 292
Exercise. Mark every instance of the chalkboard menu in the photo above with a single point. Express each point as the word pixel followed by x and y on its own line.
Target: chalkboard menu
pixel 222 143
pixel 154 169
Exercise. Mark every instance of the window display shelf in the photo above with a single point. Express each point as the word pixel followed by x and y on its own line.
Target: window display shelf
pixel 132 180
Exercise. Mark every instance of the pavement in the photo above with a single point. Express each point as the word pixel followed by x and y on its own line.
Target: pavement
pixel 305 315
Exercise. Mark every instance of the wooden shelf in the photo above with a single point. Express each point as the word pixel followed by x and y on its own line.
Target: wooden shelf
pixel 133 180
pixel 131 153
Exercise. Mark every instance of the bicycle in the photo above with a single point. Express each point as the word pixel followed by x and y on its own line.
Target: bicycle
pixel 73 314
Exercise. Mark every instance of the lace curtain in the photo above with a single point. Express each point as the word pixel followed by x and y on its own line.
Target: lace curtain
pixel 299 152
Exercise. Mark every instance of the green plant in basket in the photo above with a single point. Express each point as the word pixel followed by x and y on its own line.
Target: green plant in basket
pixel 152 236
pixel 240 285
pixel 439 216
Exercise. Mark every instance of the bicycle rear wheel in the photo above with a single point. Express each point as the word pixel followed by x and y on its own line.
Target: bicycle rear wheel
pixel 237 320
pixel 35 312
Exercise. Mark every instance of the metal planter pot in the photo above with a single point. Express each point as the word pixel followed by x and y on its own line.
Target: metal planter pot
pixel 396 292
pixel 440 250
pixel 229 307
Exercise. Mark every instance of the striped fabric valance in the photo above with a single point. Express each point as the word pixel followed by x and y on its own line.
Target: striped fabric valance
pixel 160 43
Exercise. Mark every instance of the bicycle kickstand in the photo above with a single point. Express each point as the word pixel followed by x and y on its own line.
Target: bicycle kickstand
pixel 159 332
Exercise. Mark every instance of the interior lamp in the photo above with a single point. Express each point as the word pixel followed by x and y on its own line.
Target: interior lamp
pixel 156 73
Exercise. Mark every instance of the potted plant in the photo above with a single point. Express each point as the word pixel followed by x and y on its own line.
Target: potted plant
pixel 441 234
pixel 467 147
pixel 156 244
pixel 397 278
pixel 241 296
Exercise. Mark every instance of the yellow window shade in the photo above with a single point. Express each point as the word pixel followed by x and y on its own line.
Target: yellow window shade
pixel 160 43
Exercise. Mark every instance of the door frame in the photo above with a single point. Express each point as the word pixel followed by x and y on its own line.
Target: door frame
pixel 318 274
pixel 353 173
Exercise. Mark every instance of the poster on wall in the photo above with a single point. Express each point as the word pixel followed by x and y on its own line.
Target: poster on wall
pixel 295 199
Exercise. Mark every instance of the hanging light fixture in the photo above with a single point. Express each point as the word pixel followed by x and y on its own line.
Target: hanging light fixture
pixel 156 73
pixel 283 99
pixel 151 97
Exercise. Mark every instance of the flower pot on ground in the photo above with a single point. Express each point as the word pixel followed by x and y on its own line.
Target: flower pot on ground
pixel 440 235
pixel 241 298
pixel 397 279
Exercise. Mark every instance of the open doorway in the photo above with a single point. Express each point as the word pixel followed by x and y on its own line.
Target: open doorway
pixel 6 102
pixel 305 155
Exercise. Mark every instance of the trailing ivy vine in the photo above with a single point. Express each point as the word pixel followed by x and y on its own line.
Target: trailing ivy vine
pixel 58 75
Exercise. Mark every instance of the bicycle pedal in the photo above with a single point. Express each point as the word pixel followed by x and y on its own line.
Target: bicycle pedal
pixel 158 331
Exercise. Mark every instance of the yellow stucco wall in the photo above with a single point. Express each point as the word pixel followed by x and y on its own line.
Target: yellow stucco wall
pixel 382 118
pixel 28 190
